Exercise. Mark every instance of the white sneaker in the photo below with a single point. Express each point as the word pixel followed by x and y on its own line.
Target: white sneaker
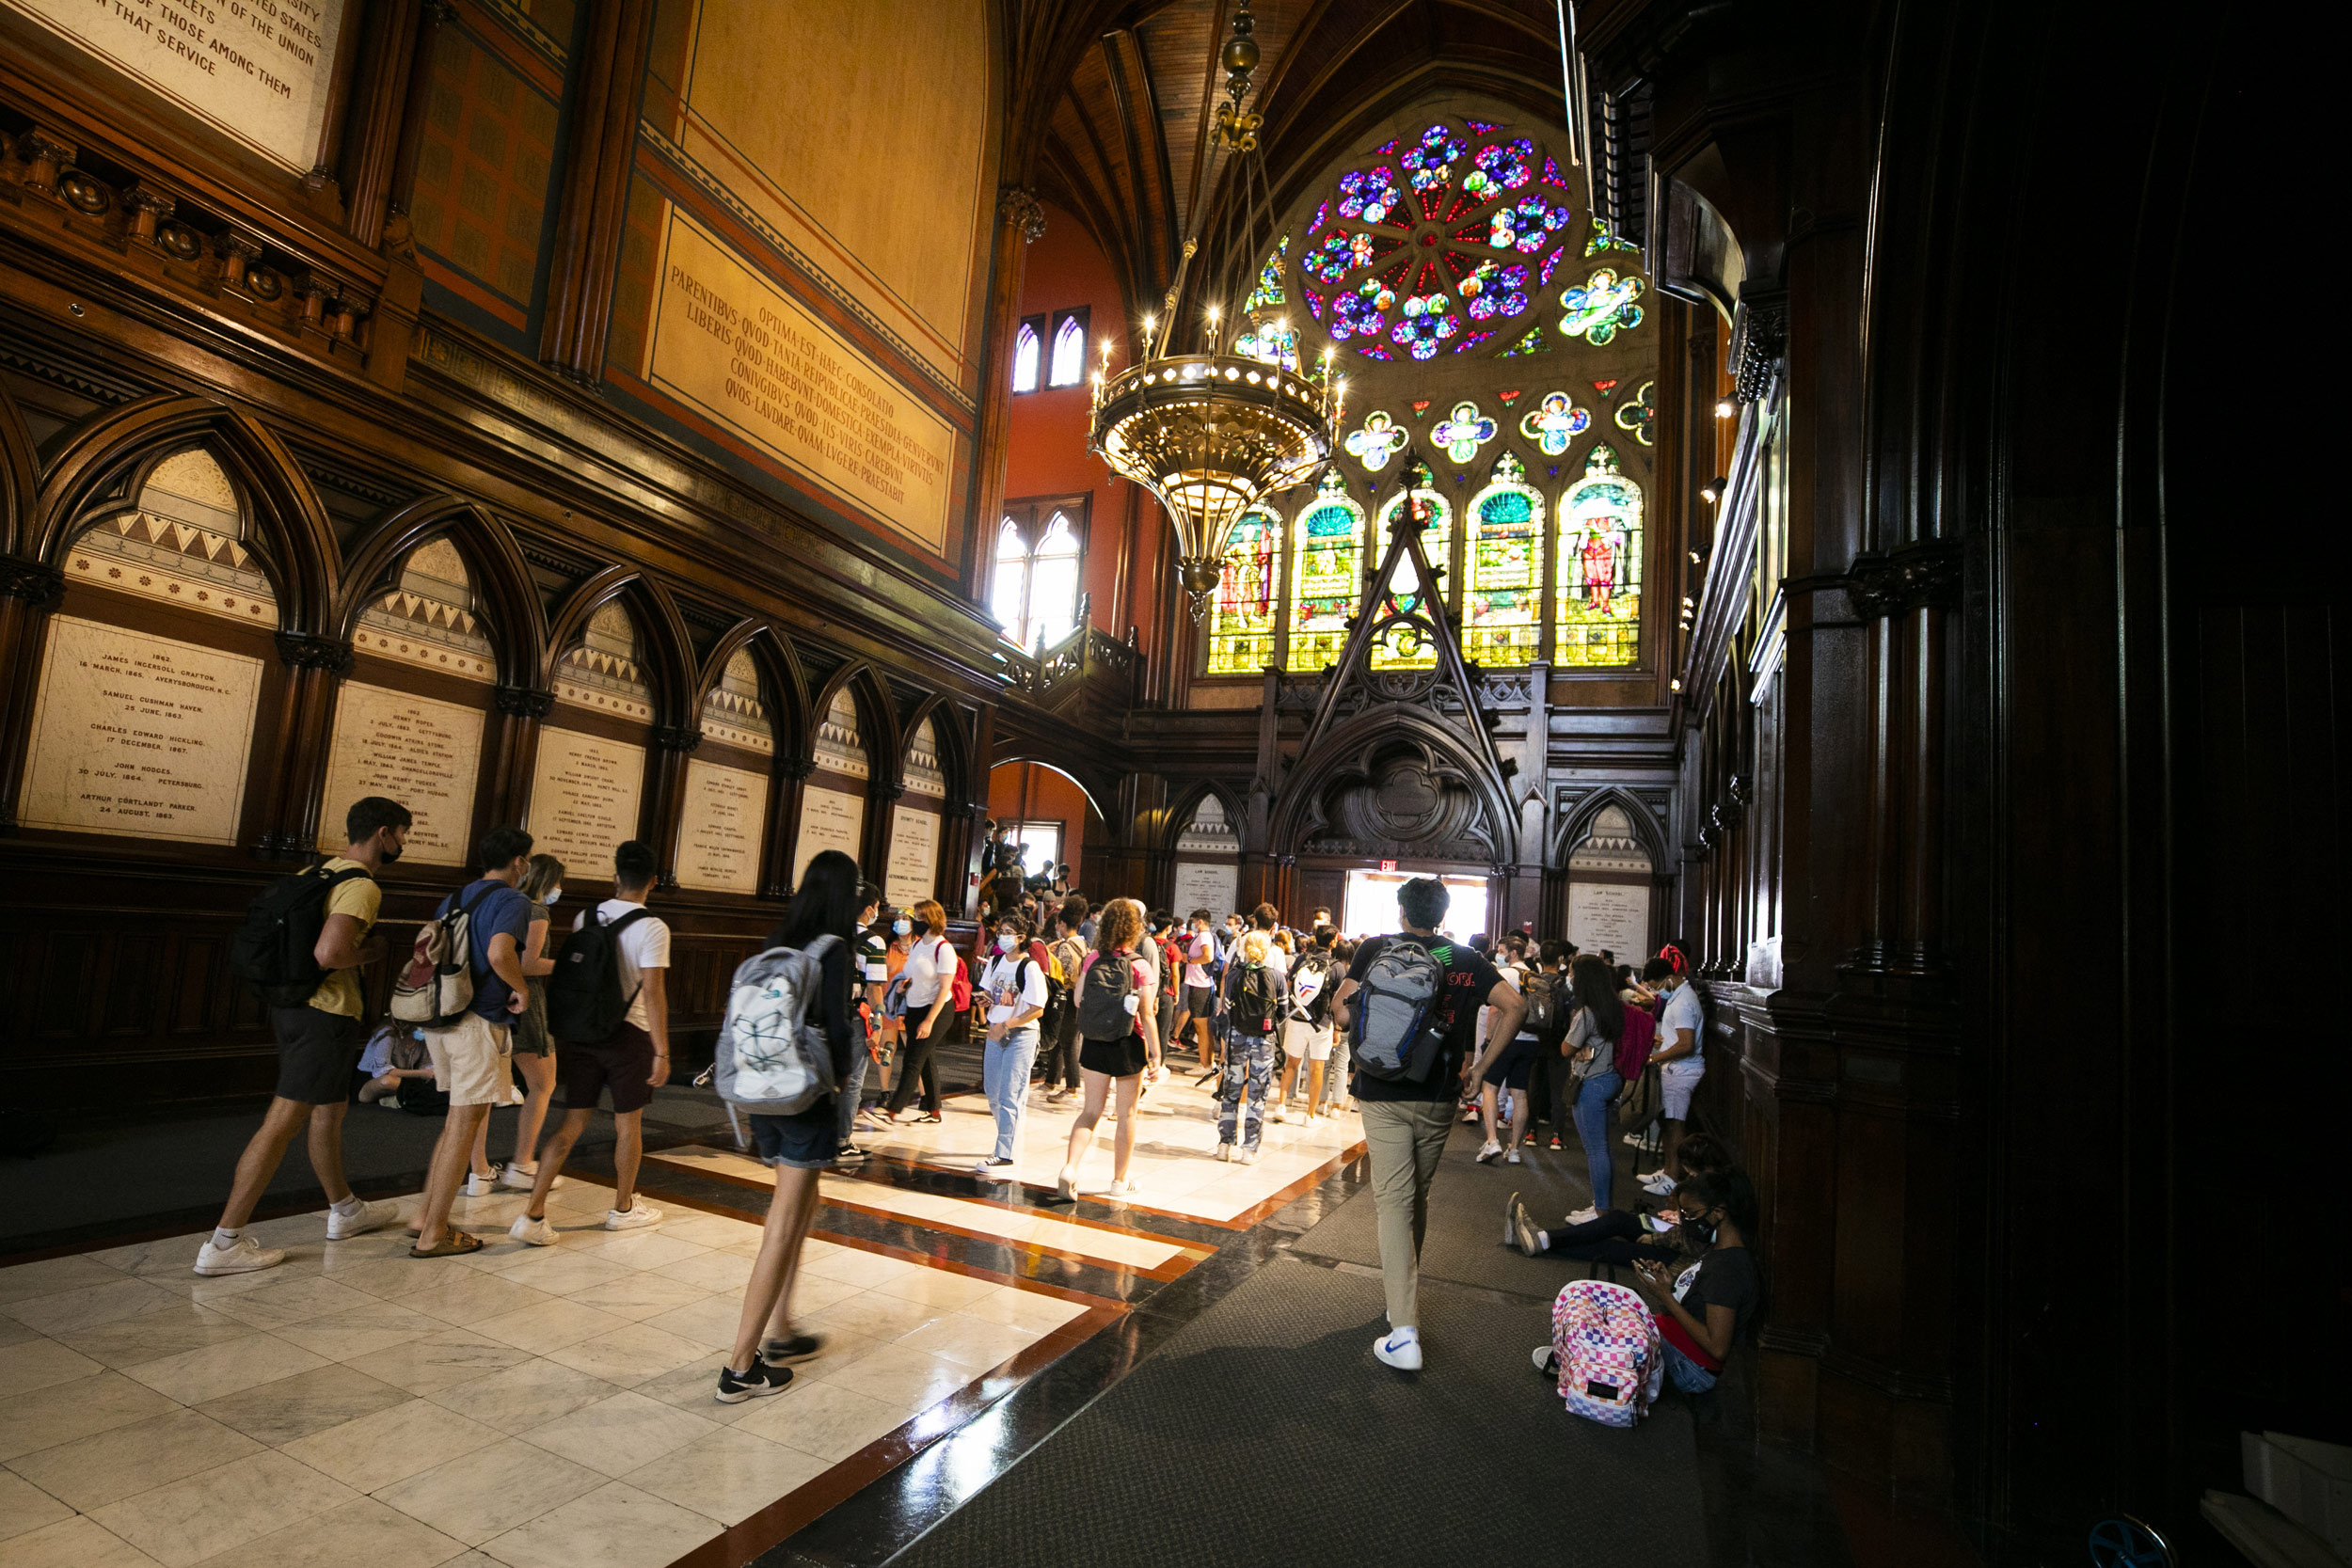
pixel 1279 1112
pixel 1657 1183
pixel 1510 1156
pixel 993 1170
pixel 515 1179
pixel 482 1186
pixel 1122 1189
pixel 538 1233
pixel 638 1218
pixel 1395 1350
pixel 1247 1156
pixel 1068 1184
pixel 1225 1152
pixel 367 1219
pixel 1633 1140
pixel 243 1256
pixel 1488 1151
pixel 1583 1216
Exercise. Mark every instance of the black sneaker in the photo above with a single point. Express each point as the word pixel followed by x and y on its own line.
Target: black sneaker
pixel 786 1353
pixel 757 1384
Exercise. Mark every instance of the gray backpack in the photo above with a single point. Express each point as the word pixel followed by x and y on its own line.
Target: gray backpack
pixel 771 1058
pixel 1396 1036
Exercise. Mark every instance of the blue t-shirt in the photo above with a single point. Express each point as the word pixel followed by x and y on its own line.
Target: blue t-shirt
pixel 504 909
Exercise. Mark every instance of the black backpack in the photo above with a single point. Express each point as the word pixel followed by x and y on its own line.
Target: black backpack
pixel 1545 1014
pixel 584 1002
pixel 1256 999
pixel 1103 993
pixel 276 950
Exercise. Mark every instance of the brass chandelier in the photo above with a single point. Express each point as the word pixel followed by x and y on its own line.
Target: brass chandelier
pixel 1211 435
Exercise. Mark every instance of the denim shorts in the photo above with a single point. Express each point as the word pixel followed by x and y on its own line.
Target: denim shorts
pixel 1683 1373
pixel 805 1140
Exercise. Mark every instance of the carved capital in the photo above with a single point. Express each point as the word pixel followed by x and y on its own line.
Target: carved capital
pixel 798 769
pixel 36 582
pixel 890 789
pixel 1020 209
pixel 1759 342
pixel 45 158
pixel 677 738
pixel 1925 572
pixel 522 702
pixel 306 650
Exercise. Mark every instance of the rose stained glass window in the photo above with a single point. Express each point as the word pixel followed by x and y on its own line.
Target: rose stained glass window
pixel 1241 627
pixel 1599 597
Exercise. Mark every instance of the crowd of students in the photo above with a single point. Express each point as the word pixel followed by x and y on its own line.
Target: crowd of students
pixel 1408 1029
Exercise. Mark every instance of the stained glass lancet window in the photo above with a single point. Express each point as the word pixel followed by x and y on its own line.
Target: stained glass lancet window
pixel 1027 350
pixel 1403 648
pixel 1070 352
pixel 1600 597
pixel 1241 630
pixel 1326 574
pixel 1502 617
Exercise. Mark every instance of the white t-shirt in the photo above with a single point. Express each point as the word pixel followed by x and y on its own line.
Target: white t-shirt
pixel 1004 970
pixel 645 945
pixel 931 964
pixel 1682 1012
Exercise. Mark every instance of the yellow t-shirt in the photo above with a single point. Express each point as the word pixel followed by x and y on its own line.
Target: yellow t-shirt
pixel 359 898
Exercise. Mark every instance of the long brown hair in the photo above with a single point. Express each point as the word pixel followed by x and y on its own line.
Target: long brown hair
pixel 1117 925
pixel 1597 991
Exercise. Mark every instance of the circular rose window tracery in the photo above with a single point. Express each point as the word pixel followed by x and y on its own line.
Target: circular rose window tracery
pixel 1436 244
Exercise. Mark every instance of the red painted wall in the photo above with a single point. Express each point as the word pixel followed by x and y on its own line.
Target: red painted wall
pixel 1022 791
pixel 1047 454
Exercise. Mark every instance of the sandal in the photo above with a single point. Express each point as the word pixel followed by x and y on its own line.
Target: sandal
pixel 455 1245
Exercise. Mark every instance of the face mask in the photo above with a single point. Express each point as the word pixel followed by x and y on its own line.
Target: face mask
pixel 903 926
pixel 391 852
pixel 554 896
pixel 1004 944
pixel 1699 1230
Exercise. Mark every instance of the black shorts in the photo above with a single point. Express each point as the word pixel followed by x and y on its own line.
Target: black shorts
pixel 622 1064
pixel 808 1139
pixel 1120 1058
pixel 1510 1070
pixel 318 1055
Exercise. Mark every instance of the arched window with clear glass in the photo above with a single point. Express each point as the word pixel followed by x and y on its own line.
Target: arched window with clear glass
pixel 1241 625
pixel 1028 353
pixel 1070 352
pixel 1502 618
pixel 1034 595
pixel 1326 574
pixel 1418 504
pixel 1599 592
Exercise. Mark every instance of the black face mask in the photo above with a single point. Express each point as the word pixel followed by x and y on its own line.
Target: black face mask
pixel 391 853
pixel 1699 1230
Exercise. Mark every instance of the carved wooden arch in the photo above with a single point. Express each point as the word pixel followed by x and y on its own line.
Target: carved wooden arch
pixel 518 621
pixel 877 717
pixel 779 661
pixel 1349 751
pixel 1182 804
pixel 665 651
pixel 1577 824
pixel 1096 789
pixel 955 747
pixel 99 459
pixel 20 476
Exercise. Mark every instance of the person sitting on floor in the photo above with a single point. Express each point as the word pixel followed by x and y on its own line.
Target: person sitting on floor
pixel 393 1057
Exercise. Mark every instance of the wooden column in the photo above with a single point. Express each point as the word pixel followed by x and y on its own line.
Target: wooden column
pixel 600 141
pixel 315 667
pixel 29 590
pixel 514 751
pixel 379 106
pixel 665 804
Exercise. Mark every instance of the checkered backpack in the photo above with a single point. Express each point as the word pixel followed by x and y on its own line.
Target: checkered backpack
pixel 1608 1348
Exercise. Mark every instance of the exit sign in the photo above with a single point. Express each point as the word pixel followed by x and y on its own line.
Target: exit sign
pixel 1388 865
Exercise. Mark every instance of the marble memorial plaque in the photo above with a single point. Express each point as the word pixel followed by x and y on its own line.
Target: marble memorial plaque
pixel 584 799
pixel 139 735
pixel 259 70
pixel 1200 886
pixel 426 754
pixel 1611 916
pixel 720 828
pixel 830 819
pixel 913 870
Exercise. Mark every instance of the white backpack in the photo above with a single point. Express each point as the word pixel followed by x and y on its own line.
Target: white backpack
pixel 771 1058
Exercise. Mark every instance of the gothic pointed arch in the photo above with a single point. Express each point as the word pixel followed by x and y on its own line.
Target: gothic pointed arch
pixel 104 461
pixel 1184 807
pixel 514 619
pixel 664 652
pixel 779 662
pixel 878 725
pixel 20 476
pixel 1576 826
pixel 951 746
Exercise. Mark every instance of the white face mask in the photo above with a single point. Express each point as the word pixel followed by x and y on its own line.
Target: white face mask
pixel 903 926
pixel 554 893
pixel 1005 944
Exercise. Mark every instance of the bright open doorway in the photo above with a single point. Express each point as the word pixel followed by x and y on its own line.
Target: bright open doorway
pixel 1369 907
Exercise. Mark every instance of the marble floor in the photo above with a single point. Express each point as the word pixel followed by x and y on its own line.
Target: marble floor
pixel 531 1406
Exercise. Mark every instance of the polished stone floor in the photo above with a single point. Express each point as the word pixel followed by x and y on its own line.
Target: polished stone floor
pixel 552 1406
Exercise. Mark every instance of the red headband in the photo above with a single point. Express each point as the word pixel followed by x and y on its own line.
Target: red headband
pixel 1673 954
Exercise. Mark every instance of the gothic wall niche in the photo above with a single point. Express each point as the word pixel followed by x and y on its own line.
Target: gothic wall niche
pixel 1403 801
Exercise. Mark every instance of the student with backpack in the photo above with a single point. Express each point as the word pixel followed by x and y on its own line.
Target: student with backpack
pixel 1061 1026
pixel 1411 1000
pixel 783 1048
pixel 1550 1084
pixel 302 946
pixel 1590 1049
pixel 1015 984
pixel 1117 1022
pixel 1256 977
pixel 931 970
pixel 873 985
pixel 1307 1024
pixel 609 1010
pixel 465 984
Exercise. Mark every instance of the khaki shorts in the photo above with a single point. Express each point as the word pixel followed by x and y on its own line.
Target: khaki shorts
pixel 470 1063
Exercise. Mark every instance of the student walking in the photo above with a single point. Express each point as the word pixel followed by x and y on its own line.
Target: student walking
pixel 1015 983
pixel 873 978
pixel 1307 1025
pixel 1118 1020
pixel 619 953
pixel 1412 1001
pixel 319 1034
pixel 1255 980
pixel 1059 1028
pixel 533 1047
pixel 799 1146
pixel 470 1059
pixel 930 973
